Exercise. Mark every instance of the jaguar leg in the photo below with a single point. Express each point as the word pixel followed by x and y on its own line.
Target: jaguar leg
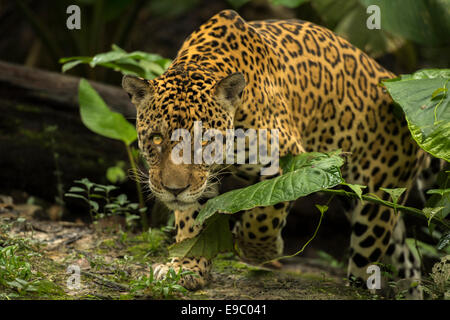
pixel 200 266
pixel 258 232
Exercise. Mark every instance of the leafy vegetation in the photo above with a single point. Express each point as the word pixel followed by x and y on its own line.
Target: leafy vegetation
pixel 92 193
pixel 166 288
pixel 100 119
pixel 318 171
pixel 17 278
pixel 137 63
pixel 302 175
pixel 423 96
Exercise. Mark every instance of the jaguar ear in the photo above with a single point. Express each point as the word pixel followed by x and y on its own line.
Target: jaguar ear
pixel 229 90
pixel 137 88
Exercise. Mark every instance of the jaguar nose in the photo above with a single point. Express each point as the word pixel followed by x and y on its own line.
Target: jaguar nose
pixel 177 191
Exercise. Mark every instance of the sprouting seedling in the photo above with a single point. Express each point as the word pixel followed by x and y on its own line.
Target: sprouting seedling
pixel 102 203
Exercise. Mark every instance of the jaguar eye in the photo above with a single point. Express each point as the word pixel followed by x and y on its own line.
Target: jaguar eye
pixel 157 139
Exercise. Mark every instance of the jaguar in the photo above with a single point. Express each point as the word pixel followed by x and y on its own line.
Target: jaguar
pixel 319 91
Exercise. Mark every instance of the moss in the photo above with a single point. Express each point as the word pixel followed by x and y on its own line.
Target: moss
pixel 228 263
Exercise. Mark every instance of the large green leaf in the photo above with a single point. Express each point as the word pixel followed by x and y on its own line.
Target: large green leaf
pixel 304 174
pixel 424 98
pixel 215 238
pixel 96 116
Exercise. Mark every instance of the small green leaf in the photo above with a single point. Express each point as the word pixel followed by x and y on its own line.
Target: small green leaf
pixel 69 65
pixel 74 195
pixel 431 212
pixel 439 191
pixel 80 58
pixel 86 182
pixel 76 189
pixel 357 188
pixel 94 205
pixel 322 208
pixel 122 199
pixel 394 193
pixel 116 174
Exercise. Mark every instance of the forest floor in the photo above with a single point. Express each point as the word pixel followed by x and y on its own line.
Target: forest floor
pixel 39 259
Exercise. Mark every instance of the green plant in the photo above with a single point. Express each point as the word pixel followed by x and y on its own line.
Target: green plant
pixel 15 270
pixel 96 115
pixel 329 259
pixel 16 273
pixel 137 63
pixel 166 288
pixel 102 203
pixel 423 97
pixel 100 119
pixel 147 243
pixel 102 22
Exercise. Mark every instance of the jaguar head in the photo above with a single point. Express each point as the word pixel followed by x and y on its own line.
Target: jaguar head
pixel 170 110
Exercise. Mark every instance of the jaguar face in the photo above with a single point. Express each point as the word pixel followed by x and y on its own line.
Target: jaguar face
pixel 170 110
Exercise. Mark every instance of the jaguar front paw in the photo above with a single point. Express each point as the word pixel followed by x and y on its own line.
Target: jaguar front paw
pixel 194 272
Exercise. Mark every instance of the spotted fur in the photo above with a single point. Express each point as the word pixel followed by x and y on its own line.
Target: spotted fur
pixel 318 90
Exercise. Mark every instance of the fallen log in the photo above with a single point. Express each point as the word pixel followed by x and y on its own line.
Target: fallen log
pixel 51 88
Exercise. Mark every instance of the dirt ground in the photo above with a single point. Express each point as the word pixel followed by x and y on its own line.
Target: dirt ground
pixel 111 262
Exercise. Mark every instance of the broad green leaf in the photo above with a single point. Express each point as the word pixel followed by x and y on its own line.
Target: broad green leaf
pixel 309 174
pixel 428 119
pixel 429 74
pixel 394 193
pixel 431 212
pixel 216 237
pixel 99 118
